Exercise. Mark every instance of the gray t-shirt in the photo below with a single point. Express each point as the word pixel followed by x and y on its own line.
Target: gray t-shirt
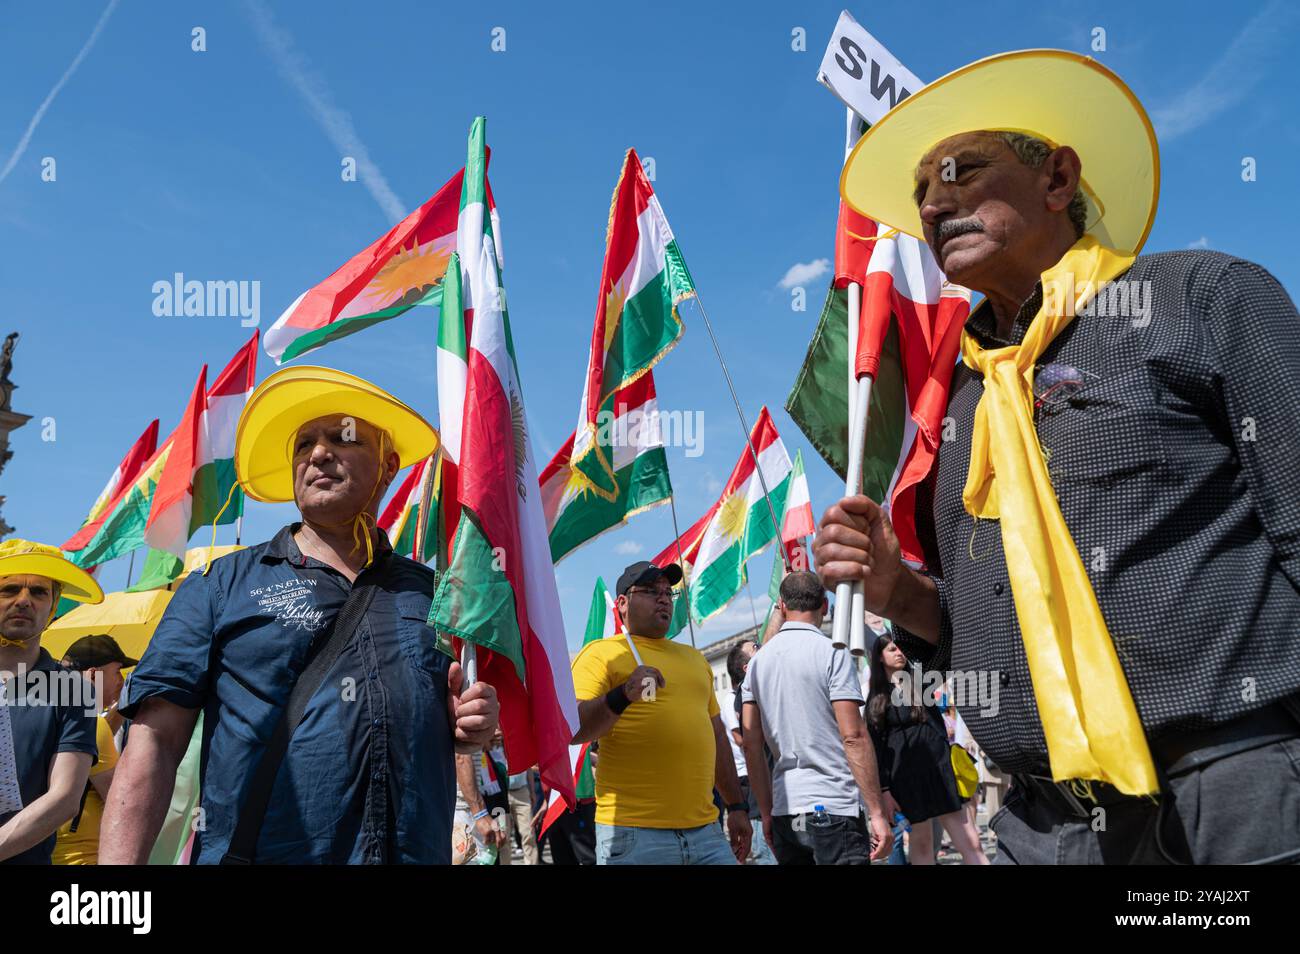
pixel 794 679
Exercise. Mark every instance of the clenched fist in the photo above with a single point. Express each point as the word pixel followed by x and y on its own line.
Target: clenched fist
pixel 855 542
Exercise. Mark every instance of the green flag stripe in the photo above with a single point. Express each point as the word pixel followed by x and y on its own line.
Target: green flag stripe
pixel 641 484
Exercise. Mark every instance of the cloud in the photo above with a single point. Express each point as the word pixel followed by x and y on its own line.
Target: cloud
pixel 333 121
pixel 1201 242
pixel 800 273
pixel 1230 78
pixel 49 98
pixel 629 548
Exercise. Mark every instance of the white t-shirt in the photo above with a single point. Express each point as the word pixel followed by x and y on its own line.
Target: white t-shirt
pixel 730 722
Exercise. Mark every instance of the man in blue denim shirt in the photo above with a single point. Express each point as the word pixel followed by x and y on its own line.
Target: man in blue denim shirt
pixel 368 774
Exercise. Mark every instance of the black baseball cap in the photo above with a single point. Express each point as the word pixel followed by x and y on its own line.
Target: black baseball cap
pixel 645 573
pixel 90 652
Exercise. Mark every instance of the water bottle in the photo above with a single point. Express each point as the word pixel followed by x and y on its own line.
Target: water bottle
pixel 819 818
pixel 484 854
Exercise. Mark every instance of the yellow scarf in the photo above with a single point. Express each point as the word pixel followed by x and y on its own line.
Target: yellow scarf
pixel 1089 719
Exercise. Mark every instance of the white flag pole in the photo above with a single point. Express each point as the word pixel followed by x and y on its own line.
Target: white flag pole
pixel 847 626
pixel 627 634
pixel 469 663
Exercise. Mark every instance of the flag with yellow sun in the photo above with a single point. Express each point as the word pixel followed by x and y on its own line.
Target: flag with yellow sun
pixel 400 270
pixel 643 280
pixel 740 525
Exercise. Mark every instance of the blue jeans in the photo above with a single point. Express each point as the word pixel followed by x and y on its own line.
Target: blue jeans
pixel 625 845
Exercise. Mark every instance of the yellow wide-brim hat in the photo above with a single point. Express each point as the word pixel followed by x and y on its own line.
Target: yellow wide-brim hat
pixel 1062 98
pixel 25 558
pixel 291 397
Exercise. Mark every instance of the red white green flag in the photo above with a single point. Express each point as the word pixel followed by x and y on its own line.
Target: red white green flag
pixel 401 269
pixel 603 618
pixel 499 590
pixel 199 476
pixel 738 526
pixel 120 526
pixel 577 511
pixel 642 282
pixel 403 512
pixel 127 471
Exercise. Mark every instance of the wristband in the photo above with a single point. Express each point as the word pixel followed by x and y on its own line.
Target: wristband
pixel 481 814
pixel 617 700
pixel 738 807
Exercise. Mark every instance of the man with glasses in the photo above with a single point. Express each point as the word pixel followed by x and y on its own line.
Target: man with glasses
pixel 663 747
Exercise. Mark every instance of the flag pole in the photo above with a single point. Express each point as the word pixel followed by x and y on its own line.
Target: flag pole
pixel 847 628
pixel 776 525
pixel 749 590
pixel 239 528
pixel 627 633
pixel 681 561
pixel 129 567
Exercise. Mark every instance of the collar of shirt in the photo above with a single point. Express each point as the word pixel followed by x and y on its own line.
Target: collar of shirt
pixel 284 546
pixel 798 625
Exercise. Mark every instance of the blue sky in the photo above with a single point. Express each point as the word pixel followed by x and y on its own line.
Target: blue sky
pixel 225 165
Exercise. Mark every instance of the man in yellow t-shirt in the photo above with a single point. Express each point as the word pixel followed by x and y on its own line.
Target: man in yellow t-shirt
pixel 95 657
pixel 663 747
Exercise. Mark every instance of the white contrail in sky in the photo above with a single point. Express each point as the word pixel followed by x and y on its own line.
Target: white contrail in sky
pixel 67 75
pixel 1230 79
pixel 336 124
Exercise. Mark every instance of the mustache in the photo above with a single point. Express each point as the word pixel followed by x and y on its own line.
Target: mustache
pixel 951 228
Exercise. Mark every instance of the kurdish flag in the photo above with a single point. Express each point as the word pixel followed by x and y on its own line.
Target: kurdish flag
pixel 199 476
pixel 603 619
pixel 401 269
pixel 797 525
pixel 120 527
pixel 736 527
pixel 577 511
pixel 742 522
pixel 499 589
pixel 643 280
pixel 127 471
pixel 402 514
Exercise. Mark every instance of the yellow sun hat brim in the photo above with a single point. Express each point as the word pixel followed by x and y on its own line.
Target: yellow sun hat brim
pixel 1062 98
pixel 25 558
pixel 291 397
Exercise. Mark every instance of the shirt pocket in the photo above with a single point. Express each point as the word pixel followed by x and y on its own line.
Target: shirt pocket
pixel 419 641
pixel 1105 434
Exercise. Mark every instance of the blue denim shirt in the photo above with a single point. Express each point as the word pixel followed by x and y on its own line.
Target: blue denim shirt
pixel 369 775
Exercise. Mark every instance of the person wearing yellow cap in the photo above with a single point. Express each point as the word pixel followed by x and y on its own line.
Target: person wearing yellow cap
pixel 47 714
pixel 1116 519
pixel 331 710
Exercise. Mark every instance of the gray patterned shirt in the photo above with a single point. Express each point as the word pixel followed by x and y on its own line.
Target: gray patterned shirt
pixel 1173 446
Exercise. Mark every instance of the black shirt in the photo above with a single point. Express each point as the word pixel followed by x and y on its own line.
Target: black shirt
pixel 1175 465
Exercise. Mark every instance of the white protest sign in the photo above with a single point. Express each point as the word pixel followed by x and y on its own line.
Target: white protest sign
pixel 860 71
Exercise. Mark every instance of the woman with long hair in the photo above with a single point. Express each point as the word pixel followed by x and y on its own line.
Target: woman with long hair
pixel 915 765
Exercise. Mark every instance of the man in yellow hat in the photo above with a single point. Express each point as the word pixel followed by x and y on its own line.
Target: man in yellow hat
pixel 47 714
pixel 1116 515
pixel 331 714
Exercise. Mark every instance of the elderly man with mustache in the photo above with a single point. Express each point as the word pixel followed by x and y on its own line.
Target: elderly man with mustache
pixel 331 709
pixel 1116 517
